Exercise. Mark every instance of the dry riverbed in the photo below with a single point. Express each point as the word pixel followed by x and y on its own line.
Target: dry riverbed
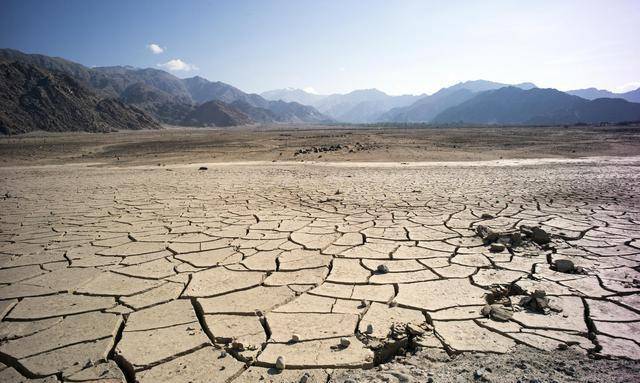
pixel 344 272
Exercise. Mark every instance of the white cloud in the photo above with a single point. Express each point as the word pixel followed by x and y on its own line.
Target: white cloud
pixel 155 48
pixel 628 86
pixel 310 89
pixel 178 65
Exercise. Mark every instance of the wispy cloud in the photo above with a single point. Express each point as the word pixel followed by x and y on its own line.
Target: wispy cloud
pixel 155 48
pixel 178 66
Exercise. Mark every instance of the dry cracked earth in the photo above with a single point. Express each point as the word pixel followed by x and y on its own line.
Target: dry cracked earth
pixel 175 274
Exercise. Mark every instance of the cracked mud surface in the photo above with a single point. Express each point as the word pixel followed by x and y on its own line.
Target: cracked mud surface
pixel 173 274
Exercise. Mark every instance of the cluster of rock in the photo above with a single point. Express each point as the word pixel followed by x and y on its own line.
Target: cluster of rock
pixel 318 149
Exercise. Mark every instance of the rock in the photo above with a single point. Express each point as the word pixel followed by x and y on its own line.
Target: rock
pixel 369 328
pixel 562 346
pixel 415 329
pixel 506 237
pixel 383 269
pixel 295 338
pixel 497 312
pixel 345 342
pixel 564 265
pixel 496 247
pixel 500 313
pixel 537 301
pixel 280 365
pixel 479 373
pixel 487 216
pixel 540 236
pixel 203 168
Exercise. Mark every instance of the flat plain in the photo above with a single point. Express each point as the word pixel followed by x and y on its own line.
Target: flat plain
pixel 351 255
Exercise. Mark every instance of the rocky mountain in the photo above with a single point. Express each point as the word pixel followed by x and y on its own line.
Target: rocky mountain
pixel 34 98
pixel 216 113
pixel 359 106
pixel 512 105
pixel 593 93
pixel 252 104
pixel 165 96
pixel 156 102
pixel 428 107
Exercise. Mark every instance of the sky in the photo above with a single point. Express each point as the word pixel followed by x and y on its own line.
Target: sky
pixel 400 47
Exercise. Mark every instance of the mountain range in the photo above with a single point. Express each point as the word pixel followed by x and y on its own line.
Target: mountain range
pixel 39 92
pixel 161 95
pixel 593 93
pixel 475 102
pixel 535 106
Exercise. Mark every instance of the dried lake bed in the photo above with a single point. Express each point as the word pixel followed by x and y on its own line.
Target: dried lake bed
pixel 212 272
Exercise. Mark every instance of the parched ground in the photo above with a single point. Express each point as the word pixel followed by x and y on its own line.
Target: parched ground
pixel 175 274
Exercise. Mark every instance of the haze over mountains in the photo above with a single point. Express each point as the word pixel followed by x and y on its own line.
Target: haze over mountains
pixel 49 93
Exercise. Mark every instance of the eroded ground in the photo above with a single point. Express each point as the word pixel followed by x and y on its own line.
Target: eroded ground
pixel 176 274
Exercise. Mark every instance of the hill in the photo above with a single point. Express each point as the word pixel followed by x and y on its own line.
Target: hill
pixel 428 107
pixel 593 93
pixel 216 113
pixel 511 105
pixel 34 98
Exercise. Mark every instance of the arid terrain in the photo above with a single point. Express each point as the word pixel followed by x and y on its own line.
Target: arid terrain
pixel 321 254
pixel 318 143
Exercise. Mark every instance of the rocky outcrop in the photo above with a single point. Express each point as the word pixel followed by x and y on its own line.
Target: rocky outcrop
pixel 33 98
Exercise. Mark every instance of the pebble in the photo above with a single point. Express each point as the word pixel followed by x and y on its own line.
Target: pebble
pixel 295 338
pixel 305 378
pixel 496 247
pixel 203 168
pixel 564 265
pixel 383 269
pixel 369 328
pixel 345 342
pixel 479 373
pixel 280 365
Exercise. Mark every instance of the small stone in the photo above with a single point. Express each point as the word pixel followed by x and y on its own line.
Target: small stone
pixel 304 378
pixel 540 236
pixel 345 342
pixel 369 328
pixel 479 373
pixel 487 216
pixel 280 365
pixel 383 269
pixel 496 247
pixel 500 313
pixel 562 346
pixel 223 354
pixel 564 265
pixel 295 338
pixel 203 168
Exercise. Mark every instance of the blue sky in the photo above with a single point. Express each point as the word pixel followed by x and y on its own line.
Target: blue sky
pixel 337 46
